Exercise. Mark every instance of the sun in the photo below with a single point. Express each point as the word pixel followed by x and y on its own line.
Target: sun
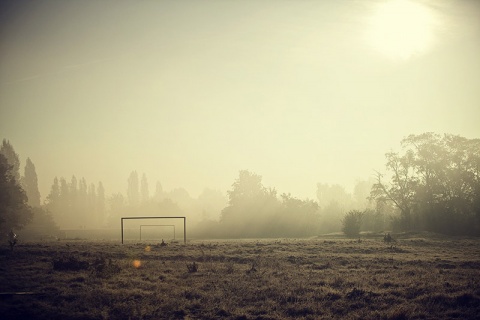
pixel 400 29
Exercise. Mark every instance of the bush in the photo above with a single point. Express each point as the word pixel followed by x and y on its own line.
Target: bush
pixel 351 223
pixel 193 267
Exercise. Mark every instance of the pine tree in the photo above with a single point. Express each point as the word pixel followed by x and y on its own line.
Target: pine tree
pixel 14 211
pixel 12 159
pixel 30 184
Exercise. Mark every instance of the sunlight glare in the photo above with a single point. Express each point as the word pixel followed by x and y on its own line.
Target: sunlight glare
pixel 137 264
pixel 400 29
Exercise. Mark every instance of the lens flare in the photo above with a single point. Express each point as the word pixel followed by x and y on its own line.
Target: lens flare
pixel 137 264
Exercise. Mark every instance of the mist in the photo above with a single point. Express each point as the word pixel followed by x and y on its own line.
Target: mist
pixel 309 95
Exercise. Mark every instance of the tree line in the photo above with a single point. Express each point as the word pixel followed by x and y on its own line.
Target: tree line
pixel 76 204
pixel 254 210
pixel 79 205
pixel 433 184
pixel 139 201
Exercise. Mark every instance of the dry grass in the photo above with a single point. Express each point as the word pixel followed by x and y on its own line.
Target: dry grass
pixel 327 278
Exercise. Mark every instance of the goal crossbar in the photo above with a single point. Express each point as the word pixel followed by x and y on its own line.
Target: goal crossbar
pixel 139 218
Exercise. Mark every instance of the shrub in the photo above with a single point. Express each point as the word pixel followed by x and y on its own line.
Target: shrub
pixel 193 267
pixel 351 223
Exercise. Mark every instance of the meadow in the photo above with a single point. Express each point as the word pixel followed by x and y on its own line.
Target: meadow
pixel 419 276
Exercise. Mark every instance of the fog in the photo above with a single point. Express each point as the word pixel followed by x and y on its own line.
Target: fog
pixel 192 92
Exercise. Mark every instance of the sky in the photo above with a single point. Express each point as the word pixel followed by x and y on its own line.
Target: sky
pixel 192 92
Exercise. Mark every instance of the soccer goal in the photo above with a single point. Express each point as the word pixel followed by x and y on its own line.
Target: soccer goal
pixel 149 218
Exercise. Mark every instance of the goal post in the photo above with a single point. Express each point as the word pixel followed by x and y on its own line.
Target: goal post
pixel 144 218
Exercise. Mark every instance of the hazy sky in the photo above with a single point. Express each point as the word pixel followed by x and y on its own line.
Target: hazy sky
pixel 191 92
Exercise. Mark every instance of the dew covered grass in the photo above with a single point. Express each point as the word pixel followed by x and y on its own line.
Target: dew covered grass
pixel 417 277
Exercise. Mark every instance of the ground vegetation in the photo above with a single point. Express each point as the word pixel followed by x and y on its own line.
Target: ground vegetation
pixel 418 276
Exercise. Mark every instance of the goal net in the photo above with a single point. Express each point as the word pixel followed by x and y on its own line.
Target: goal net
pixel 146 228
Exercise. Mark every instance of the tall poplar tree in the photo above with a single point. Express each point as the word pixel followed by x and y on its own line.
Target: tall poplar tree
pixel 90 217
pixel 64 206
pixel 52 201
pixel 159 194
pixel 82 196
pixel 144 189
pixel 30 184
pixel 133 193
pixel 73 196
pixel 100 204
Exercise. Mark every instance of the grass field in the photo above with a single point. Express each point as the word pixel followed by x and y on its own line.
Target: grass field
pixel 417 277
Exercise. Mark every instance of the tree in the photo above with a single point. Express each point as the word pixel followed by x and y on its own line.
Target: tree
pixel 251 206
pixel 30 184
pixel 117 205
pixel 373 220
pixel 247 187
pixel 333 201
pixel 52 200
pixel 296 217
pixel 64 207
pixel 181 197
pixel 435 183
pixel 91 217
pixel 401 190
pixel 448 169
pixel 211 202
pixel 361 193
pixel 14 210
pixel 159 194
pixel 73 198
pixel 41 225
pixel 100 203
pixel 144 189
pixel 326 194
pixel 82 197
pixel 133 189
pixel 351 223
pixel 12 158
